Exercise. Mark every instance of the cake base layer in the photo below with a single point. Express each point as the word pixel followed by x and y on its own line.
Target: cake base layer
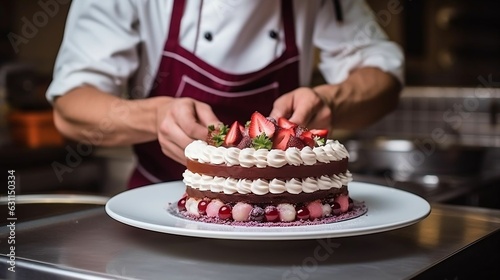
pixel 267 198
pixel 332 205
pixel 359 208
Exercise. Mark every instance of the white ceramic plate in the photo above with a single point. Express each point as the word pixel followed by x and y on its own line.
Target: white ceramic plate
pixel 388 209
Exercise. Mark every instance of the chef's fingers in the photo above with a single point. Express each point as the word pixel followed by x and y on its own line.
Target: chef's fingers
pixel 306 106
pixel 205 114
pixel 172 139
pixel 185 112
pixel 173 151
pixel 283 106
pixel 321 119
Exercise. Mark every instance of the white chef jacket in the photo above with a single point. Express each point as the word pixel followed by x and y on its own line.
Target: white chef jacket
pixel 116 45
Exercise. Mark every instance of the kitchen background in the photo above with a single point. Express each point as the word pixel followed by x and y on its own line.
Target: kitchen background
pixel 442 142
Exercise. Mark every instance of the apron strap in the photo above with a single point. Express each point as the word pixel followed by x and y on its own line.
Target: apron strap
pixel 175 22
pixel 289 24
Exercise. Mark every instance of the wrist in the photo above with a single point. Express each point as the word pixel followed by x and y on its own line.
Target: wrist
pixel 328 94
pixel 150 112
pixel 322 97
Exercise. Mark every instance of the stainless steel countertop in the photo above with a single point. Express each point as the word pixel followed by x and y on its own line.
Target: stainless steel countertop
pixel 87 244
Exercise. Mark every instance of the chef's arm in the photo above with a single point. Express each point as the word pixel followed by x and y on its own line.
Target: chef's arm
pixel 364 97
pixel 90 115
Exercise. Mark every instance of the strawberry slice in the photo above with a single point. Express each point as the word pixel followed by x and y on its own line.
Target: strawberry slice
pixel 259 124
pixel 285 123
pixel 308 138
pixel 281 139
pixel 321 133
pixel 234 135
pixel 314 137
pixel 243 129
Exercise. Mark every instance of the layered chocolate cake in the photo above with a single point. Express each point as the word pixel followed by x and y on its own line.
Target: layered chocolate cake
pixel 266 172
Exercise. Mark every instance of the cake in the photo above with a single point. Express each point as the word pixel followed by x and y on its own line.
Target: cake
pixel 266 171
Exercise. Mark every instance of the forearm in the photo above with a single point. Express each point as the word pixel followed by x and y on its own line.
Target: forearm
pixel 363 98
pixel 89 115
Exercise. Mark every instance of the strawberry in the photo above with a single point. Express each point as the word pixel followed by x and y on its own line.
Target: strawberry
pixel 259 124
pixel 285 123
pixel 299 130
pixel 307 138
pixel 216 135
pixel 246 142
pixel 273 120
pixel 281 139
pixel 243 129
pixel 314 137
pixel 295 141
pixel 321 133
pixel 234 135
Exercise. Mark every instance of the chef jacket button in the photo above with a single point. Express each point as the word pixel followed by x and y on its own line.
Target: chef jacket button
pixel 208 36
pixel 273 34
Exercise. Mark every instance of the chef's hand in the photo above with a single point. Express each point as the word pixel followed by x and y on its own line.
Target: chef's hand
pixel 180 122
pixel 304 106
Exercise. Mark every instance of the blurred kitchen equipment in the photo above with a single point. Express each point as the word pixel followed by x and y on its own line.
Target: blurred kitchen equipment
pixel 23 87
pixel 442 143
pixel 451 115
pixel 409 159
pixel 450 42
pixel 33 129
pixel 29 115
pixel 3 111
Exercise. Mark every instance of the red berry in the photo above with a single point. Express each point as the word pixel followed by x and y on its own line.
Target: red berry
pixel 336 208
pixel 216 135
pixel 307 138
pixel 257 214
pixel 246 142
pixel 233 136
pixel 282 138
pixel 273 120
pixel 225 212
pixel 295 142
pixel 321 133
pixel 303 213
pixel 272 214
pixel 285 123
pixel 243 130
pixel 299 130
pixel 202 206
pixel 181 204
pixel 259 124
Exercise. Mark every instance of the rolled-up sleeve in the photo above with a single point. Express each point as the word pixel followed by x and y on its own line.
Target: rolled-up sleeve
pixel 358 41
pixel 99 47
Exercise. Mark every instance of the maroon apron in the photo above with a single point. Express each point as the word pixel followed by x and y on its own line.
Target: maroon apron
pixel 232 97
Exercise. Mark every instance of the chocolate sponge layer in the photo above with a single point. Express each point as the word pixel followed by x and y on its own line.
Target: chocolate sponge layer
pixel 268 173
pixel 268 198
